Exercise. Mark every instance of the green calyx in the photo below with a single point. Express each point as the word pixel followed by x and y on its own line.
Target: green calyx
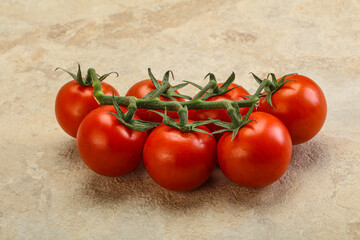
pixel 127 118
pixel 237 121
pixel 165 89
pixel 87 81
pixel 183 124
pixel 272 85
pixel 212 88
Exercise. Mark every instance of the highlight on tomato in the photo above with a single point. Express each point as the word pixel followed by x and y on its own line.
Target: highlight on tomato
pixel 76 99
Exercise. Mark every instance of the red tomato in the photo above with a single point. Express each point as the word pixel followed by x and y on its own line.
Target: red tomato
pixel 139 90
pixel 300 105
pixel 220 114
pixel 74 102
pixel 107 146
pixel 179 161
pixel 259 154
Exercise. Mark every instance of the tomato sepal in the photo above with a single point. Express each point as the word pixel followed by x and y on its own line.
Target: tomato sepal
pixel 237 121
pixel 183 123
pixel 213 89
pixel 103 77
pixel 194 84
pixel 171 92
pixel 272 86
pixel 87 81
pixel 128 120
pixel 165 89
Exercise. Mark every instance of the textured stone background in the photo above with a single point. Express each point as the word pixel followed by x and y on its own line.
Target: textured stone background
pixel 48 193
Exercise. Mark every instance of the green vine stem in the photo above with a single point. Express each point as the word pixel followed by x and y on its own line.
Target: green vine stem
pixel 129 115
pixel 183 115
pixel 162 89
pixel 157 104
pixel 211 85
pixel 236 120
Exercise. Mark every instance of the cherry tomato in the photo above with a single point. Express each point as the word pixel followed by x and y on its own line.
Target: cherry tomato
pixel 107 146
pixel 139 90
pixel 220 114
pixel 259 154
pixel 74 102
pixel 179 161
pixel 300 105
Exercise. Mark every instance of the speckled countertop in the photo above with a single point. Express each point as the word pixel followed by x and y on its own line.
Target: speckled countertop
pixel 48 193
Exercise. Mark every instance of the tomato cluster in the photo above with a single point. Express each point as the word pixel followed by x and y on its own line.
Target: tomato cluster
pixel 254 153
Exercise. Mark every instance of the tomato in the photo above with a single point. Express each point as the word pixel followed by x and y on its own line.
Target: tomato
pixel 139 90
pixel 179 161
pixel 259 154
pixel 300 105
pixel 74 102
pixel 107 146
pixel 220 114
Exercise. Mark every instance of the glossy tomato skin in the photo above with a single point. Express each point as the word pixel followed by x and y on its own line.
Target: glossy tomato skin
pixel 300 105
pixel 73 102
pixel 139 90
pixel 108 147
pixel 259 154
pixel 179 161
pixel 220 114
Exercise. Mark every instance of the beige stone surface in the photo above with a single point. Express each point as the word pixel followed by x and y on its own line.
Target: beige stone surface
pixel 48 193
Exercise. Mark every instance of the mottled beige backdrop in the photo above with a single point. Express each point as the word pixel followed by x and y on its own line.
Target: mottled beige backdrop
pixel 46 191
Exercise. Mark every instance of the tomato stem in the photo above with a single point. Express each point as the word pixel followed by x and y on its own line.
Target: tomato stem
pixel 211 85
pixel 95 80
pixel 183 115
pixel 261 87
pixel 163 88
pixel 129 115
pixel 236 120
pixel 213 79
pixel 157 104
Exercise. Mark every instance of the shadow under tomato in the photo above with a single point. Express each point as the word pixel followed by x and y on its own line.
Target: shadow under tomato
pixel 68 157
pixel 138 187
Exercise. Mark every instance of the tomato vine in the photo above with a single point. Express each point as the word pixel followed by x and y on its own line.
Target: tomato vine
pixel 181 153
pixel 156 104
